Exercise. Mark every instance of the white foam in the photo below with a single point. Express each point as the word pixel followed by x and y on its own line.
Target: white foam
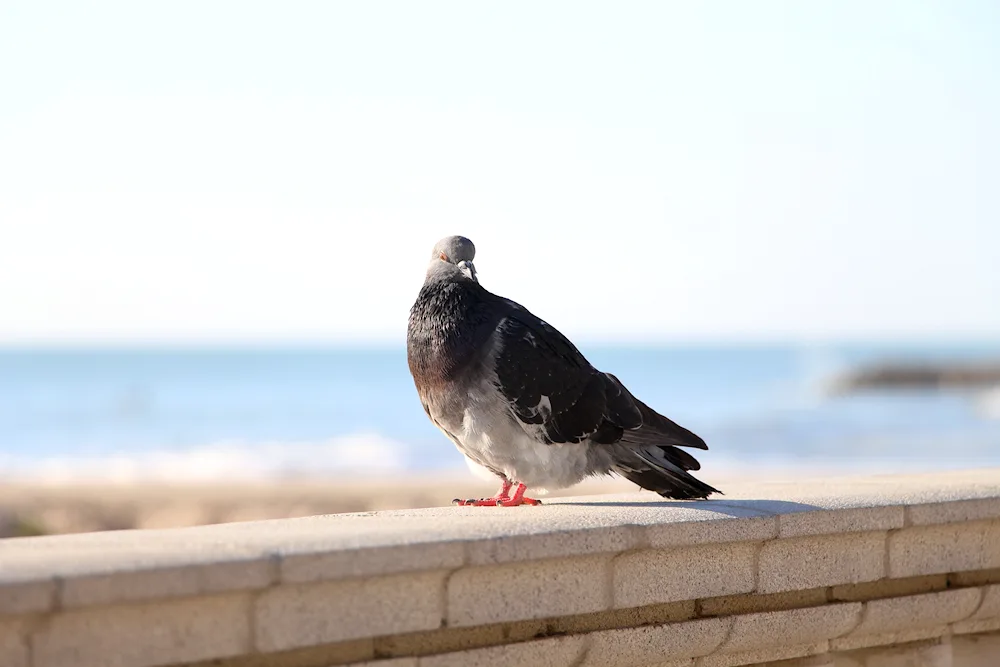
pixel 988 404
pixel 356 455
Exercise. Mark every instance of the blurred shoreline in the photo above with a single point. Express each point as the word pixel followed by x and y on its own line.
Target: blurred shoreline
pixel 171 415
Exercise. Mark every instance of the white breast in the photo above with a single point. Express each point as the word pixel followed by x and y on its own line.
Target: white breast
pixel 498 440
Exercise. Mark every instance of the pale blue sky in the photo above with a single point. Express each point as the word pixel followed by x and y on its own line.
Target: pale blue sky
pixel 658 171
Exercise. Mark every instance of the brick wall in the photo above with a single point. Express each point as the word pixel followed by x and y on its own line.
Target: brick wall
pixel 872 572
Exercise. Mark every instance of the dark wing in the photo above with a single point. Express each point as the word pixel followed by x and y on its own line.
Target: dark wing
pixel 554 392
pixel 559 397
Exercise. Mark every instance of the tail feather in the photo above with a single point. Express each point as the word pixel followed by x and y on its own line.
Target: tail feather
pixel 662 469
pixel 660 430
pixel 648 454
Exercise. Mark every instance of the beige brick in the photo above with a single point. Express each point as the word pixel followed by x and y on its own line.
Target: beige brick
pixel 715 531
pixel 553 652
pixel 666 575
pixel 954 511
pixel 26 597
pixel 763 655
pixel 935 549
pixel 688 662
pixel 991 546
pixel 990 605
pixel 300 615
pixel 521 591
pixel 163 633
pixel 632 647
pixel 394 662
pixel 828 522
pixel 917 611
pixel 920 655
pixel 826 560
pixel 129 586
pixel 981 651
pixel 792 627
pixel 342 564
pixel 976 627
pixel 518 548
pixel 13 643
pixel 184 581
pixel 854 642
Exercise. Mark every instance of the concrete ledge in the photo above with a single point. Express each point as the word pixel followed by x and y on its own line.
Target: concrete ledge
pixel 815 572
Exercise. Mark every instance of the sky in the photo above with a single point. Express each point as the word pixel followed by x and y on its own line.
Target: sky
pixel 643 171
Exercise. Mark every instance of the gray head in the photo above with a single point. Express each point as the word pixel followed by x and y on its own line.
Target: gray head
pixel 453 252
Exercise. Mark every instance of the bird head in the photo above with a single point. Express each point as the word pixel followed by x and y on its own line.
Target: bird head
pixel 454 251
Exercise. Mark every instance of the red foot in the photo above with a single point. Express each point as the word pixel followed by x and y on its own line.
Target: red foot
pixel 519 499
pixel 502 495
pixel 501 499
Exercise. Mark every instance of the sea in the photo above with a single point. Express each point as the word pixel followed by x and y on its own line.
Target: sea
pixel 224 414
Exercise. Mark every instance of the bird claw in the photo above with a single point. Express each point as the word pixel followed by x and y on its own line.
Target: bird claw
pixel 511 502
pixel 481 502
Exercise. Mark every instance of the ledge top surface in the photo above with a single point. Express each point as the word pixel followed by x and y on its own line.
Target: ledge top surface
pixel 786 509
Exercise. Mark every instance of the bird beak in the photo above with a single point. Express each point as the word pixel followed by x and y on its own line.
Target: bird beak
pixel 468 269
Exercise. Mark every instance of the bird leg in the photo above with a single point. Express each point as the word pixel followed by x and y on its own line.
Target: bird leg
pixel 519 498
pixel 502 495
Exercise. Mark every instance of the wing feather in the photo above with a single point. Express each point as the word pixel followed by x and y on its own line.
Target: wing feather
pixel 559 397
pixel 554 392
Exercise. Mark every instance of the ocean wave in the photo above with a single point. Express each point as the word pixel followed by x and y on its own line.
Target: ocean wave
pixel 356 455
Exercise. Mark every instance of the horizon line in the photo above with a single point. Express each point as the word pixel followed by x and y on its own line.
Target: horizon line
pixel 385 344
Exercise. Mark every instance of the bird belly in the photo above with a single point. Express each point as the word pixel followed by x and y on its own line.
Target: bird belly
pixel 500 443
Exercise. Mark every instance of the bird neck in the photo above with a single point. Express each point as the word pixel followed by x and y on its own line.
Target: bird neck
pixel 448 324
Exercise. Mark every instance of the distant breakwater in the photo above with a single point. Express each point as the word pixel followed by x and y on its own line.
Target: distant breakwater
pixel 920 375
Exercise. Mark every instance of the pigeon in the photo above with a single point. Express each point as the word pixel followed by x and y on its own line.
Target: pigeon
pixel 520 401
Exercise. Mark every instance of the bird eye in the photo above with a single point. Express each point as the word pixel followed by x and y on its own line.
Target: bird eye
pixel 444 257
